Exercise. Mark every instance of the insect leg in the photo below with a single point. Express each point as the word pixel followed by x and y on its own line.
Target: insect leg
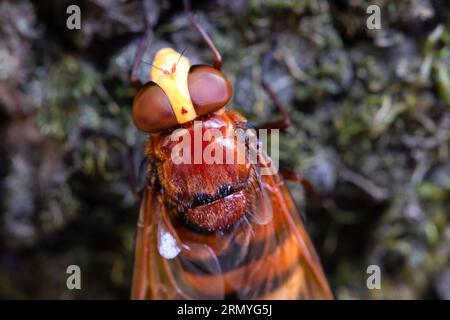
pixel 143 44
pixel 88 132
pixel 292 176
pixel 313 198
pixel 285 121
pixel 216 54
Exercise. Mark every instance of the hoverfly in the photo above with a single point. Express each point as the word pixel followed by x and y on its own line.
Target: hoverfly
pixel 212 231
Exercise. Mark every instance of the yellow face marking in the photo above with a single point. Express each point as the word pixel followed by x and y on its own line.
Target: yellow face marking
pixel 170 72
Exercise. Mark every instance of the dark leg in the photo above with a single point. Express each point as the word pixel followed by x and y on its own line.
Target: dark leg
pixel 149 22
pixel 216 54
pixel 292 176
pixel 88 132
pixel 285 121
pixel 313 198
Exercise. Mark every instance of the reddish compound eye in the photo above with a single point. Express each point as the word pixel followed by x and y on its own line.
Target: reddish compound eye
pixel 152 111
pixel 209 89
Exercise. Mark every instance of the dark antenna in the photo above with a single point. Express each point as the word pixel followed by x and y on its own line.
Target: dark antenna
pixel 174 67
pixel 181 54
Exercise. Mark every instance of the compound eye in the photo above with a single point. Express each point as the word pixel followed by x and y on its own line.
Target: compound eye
pixel 209 89
pixel 152 111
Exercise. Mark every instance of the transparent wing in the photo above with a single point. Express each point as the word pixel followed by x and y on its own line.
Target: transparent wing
pixel 253 260
pixel 306 279
pixel 280 260
pixel 165 267
pixel 145 234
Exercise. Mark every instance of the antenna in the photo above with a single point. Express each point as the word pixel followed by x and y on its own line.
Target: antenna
pixel 156 67
pixel 174 67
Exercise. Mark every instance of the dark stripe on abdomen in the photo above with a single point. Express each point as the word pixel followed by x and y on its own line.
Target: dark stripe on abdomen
pixel 254 279
pixel 231 258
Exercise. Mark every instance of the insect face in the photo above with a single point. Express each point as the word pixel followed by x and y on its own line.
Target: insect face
pixel 178 93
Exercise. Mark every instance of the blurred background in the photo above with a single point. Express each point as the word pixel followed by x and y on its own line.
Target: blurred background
pixel 371 120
